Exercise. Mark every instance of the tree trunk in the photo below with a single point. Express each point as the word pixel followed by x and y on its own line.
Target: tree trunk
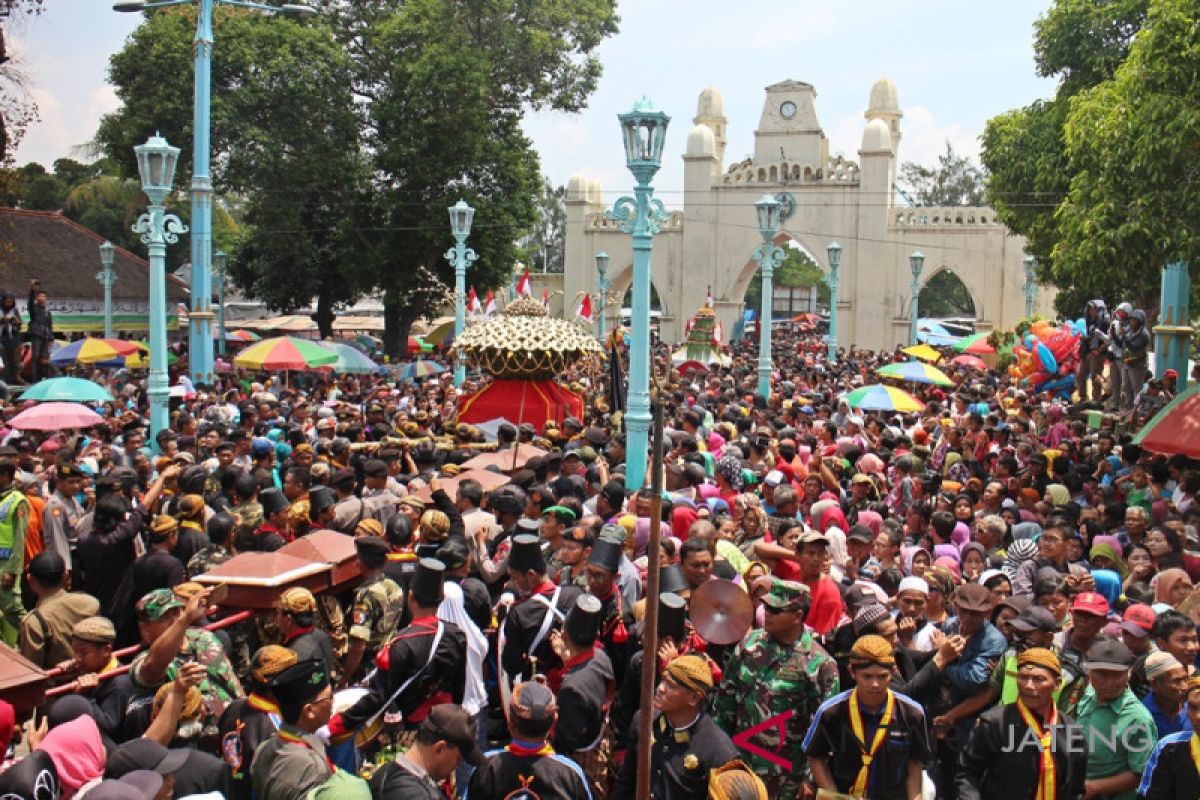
pixel 324 316
pixel 398 317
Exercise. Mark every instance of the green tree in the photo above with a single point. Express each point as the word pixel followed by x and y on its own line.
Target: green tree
pixel 955 181
pixel 544 249
pixel 945 295
pixel 1030 173
pixel 796 271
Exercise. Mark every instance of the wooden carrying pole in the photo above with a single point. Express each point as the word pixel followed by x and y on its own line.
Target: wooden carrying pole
pixel 650 629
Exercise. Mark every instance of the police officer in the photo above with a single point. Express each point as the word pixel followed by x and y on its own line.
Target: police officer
pixel 422 667
pixel 60 519
pixel 525 637
pixel 584 693
pixel 14 520
pixel 46 631
pixel 378 602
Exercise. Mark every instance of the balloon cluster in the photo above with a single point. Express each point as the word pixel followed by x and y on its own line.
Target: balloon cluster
pixel 1048 357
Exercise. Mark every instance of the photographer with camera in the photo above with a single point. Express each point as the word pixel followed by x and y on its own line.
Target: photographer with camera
pixel 40 330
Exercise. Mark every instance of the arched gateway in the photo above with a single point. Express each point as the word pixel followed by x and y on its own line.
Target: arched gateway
pixel 826 198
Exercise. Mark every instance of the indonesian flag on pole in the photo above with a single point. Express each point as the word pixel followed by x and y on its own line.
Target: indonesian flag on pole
pixel 546 298
pixel 584 309
pixel 473 307
pixel 490 308
pixel 523 287
pixel 708 300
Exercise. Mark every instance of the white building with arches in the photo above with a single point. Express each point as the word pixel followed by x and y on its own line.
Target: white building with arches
pixel 708 243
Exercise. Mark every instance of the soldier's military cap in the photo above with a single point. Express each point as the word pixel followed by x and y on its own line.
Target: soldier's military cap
pixel 786 595
pixel 155 604
pixel 372 551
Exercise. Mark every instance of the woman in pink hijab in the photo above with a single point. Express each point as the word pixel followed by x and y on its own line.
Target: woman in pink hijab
pixel 77 752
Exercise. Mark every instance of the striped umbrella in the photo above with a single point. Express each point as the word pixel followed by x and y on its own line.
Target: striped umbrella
pixel 878 397
pixel 975 362
pixel 286 353
pixel 915 371
pixel 420 369
pixel 975 343
pixel 90 350
pixel 242 336
pixel 138 359
pixel 923 352
pixel 350 360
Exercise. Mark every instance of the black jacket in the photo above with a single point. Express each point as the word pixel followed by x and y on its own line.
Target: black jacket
pixel 1000 761
pixel 582 699
pixel 41 321
pixel 681 760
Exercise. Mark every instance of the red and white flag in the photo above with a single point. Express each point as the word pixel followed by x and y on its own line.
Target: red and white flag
pixel 584 309
pixel 490 307
pixel 523 287
pixel 708 301
pixel 546 298
pixel 473 307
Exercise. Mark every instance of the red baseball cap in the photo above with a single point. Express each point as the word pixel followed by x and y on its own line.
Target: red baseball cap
pixel 1138 620
pixel 1090 603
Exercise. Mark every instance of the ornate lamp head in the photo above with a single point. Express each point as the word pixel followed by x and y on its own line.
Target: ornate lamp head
pixel 156 166
pixel 768 211
pixel 644 131
pixel 461 216
pixel 916 263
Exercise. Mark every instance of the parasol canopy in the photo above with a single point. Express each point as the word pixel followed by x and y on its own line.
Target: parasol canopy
pixel 56 417
pixel 965 360
pixel 286 353
pixel 691 366
pixel 505 459
pixel 975 343
pixel 138 359
pixel 417 345
pixel 89 350
pixel 442 329
pixel 878 397
pixel 420 369
pixel 915 371
pixel 70 389
pixel 242 336
pixel 1175 428
pixel 932 332
pixel 350 360
pixel 923 352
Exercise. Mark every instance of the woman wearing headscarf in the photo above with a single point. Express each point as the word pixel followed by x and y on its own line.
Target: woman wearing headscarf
pixel 1108 583
pixel 77 752
pixel 753 523
pixel 730 480
pixel 1104 557
pixel 1172 586
pixel 916 561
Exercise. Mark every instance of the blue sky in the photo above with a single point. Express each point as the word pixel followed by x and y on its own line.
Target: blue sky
pixel 955 64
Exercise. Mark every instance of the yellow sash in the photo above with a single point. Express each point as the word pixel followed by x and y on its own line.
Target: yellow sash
pixel 1047 785
pixel 1194 744
pixel 868 753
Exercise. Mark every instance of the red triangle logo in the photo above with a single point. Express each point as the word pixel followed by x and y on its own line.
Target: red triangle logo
pixel 779 722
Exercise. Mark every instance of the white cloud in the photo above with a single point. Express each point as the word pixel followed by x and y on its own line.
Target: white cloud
pixel 923 139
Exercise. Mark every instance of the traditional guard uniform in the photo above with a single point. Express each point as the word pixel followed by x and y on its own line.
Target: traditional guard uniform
pixel 267 538
pixel 525 637
pixel 681 758
pixel 292 762
pixel 249 721
pixel 423 666
pixel 584 694
pixel 530 769
pixel 614 619
pixel 307 641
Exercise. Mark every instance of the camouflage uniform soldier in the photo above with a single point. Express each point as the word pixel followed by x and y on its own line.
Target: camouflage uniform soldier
pixel 220 534
pixel 775 670
pixel 160 614
pixel 378 603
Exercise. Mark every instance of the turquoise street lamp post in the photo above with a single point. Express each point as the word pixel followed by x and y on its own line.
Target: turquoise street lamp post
pixel 916 262
pixel 603 284
pixel 1174 331
pixel 219 277
pixel 461 257
pixel 107 278
pixel 834 252
pixel 200 338
pixel 156 166
pixel 644 131
pixel 1030 284
pixel 769 256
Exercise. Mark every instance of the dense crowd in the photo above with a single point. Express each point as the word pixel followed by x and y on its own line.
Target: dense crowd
pixel 987 598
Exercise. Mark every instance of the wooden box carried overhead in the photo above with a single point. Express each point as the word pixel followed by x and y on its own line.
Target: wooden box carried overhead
pixel 332 548
pixel 256 580
pixel 22 683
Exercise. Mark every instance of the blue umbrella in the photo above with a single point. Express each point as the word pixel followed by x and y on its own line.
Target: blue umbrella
pixel 934 333
pixel 420 369
pixel 351 361
pixel 75 389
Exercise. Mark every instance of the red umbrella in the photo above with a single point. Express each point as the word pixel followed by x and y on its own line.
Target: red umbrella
pixel 56 417
pixel 975 362
pixel 691 366
pixel 1174 429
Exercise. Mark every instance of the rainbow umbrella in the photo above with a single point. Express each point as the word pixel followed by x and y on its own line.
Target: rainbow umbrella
pixel 923 352
pixel 242 336
pixel 286 353
pixel 975 343
pixel 56 417
pixel 915 371
pixel 420 369
pixel 350 360
pixel 1176 427
pixel 138 359
pixel 74 389
pixel 878 397
pixel 90 350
